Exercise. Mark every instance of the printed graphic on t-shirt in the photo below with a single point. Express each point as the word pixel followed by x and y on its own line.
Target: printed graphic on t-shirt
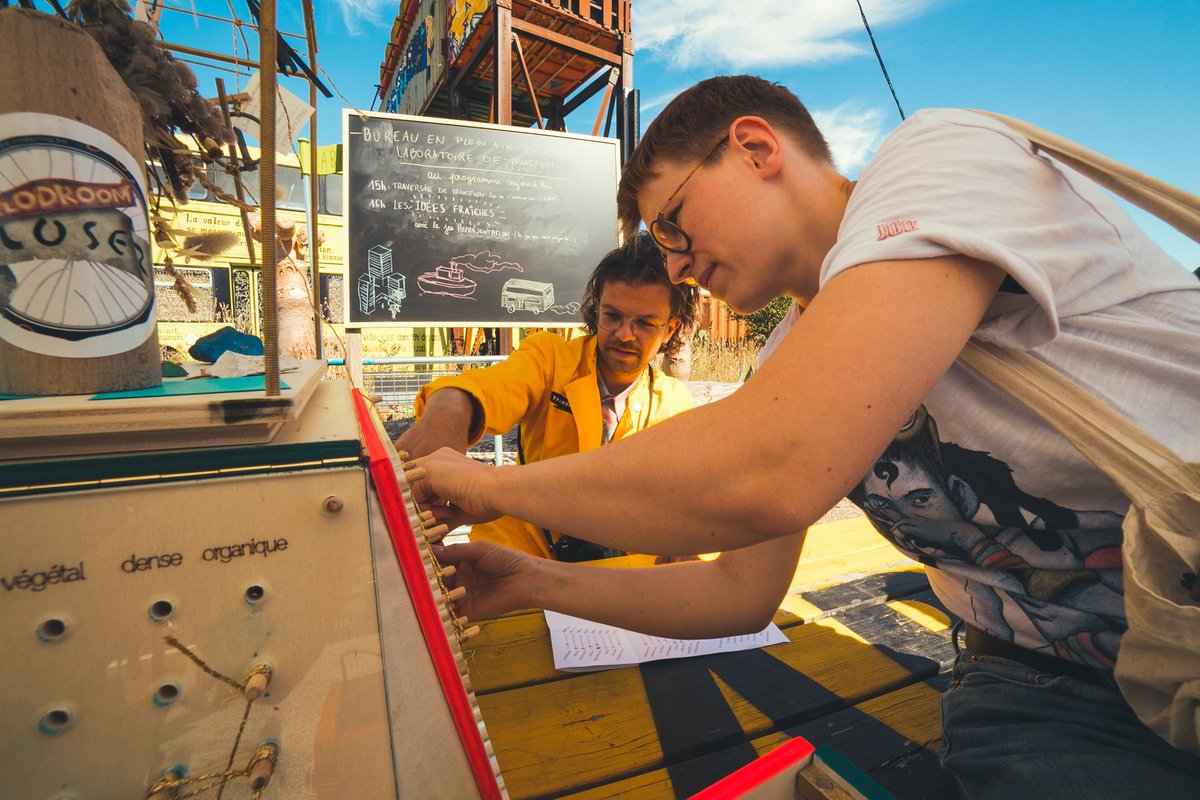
pixel 1023 567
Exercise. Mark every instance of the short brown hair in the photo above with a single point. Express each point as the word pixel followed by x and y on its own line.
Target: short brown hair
pixel 690 124
pixel 639 262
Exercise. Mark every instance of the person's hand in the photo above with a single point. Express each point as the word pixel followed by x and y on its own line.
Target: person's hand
pixel 497 579
pixel 445 422
pixel 424 437
pixel 454 487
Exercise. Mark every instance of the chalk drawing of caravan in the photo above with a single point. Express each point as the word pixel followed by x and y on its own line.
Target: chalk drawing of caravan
pixel 522 295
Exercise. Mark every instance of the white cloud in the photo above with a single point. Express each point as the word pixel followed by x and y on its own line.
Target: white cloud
pixel 852 131
pixel 755 34
pixel 648 107
pixel 853 134
pixel 359 13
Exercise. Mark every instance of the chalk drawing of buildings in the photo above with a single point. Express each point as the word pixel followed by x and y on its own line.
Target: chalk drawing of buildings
pixel 379 286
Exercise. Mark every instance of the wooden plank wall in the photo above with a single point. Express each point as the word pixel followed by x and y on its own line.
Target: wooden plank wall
pixel 724 327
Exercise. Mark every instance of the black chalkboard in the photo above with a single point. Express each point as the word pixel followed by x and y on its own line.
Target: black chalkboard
pixel 457 223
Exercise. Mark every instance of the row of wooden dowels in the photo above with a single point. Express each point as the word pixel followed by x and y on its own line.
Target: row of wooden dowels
pixel 434 533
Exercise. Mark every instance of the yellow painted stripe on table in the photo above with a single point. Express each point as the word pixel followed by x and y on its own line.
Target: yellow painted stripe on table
pixel 590 728
pixel 912 711
pixel 555 736
pixel 835 552
pixel 922 613
pixel 511 651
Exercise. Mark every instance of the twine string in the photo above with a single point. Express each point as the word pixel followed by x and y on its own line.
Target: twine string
pixel 196 784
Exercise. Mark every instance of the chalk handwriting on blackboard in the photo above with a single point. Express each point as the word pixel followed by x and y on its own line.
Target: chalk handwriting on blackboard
pixel 464 210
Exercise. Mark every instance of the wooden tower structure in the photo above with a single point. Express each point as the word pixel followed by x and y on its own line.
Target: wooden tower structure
pixel 513 62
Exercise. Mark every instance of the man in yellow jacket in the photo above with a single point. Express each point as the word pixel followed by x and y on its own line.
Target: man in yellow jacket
pixel 570 396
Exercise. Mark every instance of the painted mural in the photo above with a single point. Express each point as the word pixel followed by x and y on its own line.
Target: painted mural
pixel 464 15
pixel 415 60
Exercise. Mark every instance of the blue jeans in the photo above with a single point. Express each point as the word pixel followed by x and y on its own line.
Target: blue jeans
pixel 1011 732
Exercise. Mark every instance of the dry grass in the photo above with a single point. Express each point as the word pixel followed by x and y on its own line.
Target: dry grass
pixel 727 362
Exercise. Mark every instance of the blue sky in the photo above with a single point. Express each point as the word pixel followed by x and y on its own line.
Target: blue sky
pixel 1118 76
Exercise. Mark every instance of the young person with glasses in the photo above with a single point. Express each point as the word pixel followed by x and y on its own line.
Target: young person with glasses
pixel 570 396
pixel 958 227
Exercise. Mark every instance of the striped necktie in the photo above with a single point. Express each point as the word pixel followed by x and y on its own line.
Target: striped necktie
pixel 608 418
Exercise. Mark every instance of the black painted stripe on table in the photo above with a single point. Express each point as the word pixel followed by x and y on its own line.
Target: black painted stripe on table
pixel 700 736
pixel 904 640
pixel 905 769
pixel 871 590
pixel 908 770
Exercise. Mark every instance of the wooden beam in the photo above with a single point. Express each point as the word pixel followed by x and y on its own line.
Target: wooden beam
pixel 241 62
pixel 627 116
pixel 314 227
pixel 537 111
pixel 605 103
pixel 502 32
pixel 233 164
pixel 589 91
pixel 564 42
pixel 460 74
pixel 268 57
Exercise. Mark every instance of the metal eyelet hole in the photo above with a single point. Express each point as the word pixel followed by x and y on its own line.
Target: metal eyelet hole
pixel 54 722
pixel 166 694
pixel 161 610
pixel 51 630
pixel 254 594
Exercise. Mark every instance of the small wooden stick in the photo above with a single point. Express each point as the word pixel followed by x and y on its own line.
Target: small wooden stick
pixel 263 766
pixel 436 534
pixel 470 633
pixel 428 518
pixel 403 454
pixel 457 593
pixel 448 571
pixel 257 681
pixel 415 474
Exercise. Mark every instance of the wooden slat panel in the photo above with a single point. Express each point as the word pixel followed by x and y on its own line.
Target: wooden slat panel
pixel 594 728
pixel 893 738
pixel 512 651
pixel 553 737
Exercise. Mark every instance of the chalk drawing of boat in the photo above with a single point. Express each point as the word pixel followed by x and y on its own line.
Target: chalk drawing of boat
pixel 448 281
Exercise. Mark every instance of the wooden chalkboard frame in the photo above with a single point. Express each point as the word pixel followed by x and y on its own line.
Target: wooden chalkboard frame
pixel 455 223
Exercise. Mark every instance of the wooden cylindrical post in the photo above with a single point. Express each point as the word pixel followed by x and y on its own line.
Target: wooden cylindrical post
pixel 76 271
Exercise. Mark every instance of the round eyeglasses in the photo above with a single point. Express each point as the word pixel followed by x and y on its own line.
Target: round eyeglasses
pixel 642 327
pixel 667 233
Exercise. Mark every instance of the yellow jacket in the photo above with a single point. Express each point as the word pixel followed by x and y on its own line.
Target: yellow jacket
pixel 548 385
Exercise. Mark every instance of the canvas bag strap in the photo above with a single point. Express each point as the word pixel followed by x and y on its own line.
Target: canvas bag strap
pixel 1173 205
pixel 1140 466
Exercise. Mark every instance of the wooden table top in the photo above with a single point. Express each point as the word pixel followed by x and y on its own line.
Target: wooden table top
pixel 866 659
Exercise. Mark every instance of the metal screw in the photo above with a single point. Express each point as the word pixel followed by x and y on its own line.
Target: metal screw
pixel 333 504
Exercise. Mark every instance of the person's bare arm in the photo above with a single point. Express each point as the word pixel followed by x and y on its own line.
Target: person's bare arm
pixel 449 416
pixel 735 594
pixel 773 456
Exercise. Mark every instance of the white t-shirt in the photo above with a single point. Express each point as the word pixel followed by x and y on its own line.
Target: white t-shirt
pixel 1022 532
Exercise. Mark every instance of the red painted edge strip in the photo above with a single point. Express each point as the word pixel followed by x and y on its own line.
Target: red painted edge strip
pixel 758 771
pixel 428 616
